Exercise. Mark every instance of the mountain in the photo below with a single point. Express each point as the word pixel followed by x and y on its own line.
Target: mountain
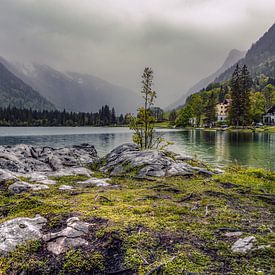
pixel 260 58
pixel 233 57
pixel 74 91
pixel 15 93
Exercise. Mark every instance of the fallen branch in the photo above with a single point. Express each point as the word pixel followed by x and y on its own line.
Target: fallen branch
pixel 188 197
pixel 102 198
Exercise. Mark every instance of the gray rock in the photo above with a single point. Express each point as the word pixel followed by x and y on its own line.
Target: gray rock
pixel 63 244
pixel 21 186
pixel 151 163
pixel 243 245
pixel 70 237
pixel 72 171
pixel 26 158
pixel 233 234
pixel 18 231
pixel 35 176
pixel 94 182
pixel 47 182
pixel 6 176
pixel 65 187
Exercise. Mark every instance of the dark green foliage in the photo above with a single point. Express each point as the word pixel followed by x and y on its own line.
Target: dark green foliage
pixel 240 94
pixel 173 116
pixel 12 116
pixel 157 113
pixel 210 109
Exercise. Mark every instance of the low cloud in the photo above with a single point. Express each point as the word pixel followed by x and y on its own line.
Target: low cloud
pixel 182 40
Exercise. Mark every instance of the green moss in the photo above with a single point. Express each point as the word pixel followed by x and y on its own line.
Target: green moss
pixel 23 259
pixel 79 262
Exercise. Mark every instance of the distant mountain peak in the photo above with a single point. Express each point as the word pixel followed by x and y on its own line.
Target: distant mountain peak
pixel 233 56
pixel 75 91
pixel 260 58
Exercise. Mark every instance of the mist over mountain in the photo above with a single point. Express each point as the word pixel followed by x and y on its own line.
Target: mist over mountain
pixel 15 93
pixel 260 58
pixel 74 91
pixel 233 56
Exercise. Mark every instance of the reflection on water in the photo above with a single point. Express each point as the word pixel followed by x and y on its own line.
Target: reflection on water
pixel 218 147
pixel 251 149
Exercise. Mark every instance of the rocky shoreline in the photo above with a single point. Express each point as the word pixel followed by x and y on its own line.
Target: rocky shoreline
pixel 31 171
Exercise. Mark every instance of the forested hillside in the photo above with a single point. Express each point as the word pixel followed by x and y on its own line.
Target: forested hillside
pixel 260 58
pixel 15 93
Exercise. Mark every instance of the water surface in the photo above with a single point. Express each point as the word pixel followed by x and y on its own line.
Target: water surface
pixel 217 147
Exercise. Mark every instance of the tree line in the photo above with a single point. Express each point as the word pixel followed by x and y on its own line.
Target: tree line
pixel 12 116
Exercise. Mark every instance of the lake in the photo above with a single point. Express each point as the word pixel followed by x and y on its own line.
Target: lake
pixel 217 147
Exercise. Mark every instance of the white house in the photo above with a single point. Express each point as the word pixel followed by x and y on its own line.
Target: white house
pixel 222 110
pixel 269 117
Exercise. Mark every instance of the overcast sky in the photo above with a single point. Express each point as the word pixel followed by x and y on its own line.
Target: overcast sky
pixel 182 40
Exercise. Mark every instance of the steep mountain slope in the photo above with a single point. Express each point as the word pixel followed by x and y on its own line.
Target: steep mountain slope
pixel 233 57
pixel 15 93
pixel 260 58
pixel 74 91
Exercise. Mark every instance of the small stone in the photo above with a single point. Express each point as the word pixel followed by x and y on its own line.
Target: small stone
pixel 48 182
pixel 233 234
pixel 70 237
pixel 243 245
pixel 95 182
pixel 65 187
pixel 36 176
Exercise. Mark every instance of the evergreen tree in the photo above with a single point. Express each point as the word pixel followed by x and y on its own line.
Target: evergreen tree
pixel 210 109
pixel 113 116
pixel 240 86
pixel 173 116
pixel 235 109
pixel 245 87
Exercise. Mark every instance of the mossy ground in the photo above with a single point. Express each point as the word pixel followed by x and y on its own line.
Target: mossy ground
pixel 165 226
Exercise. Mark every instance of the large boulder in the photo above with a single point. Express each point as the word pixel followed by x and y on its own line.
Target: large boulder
pixel 6 176
pixel 18 231
pixel 127 158
pixel 21 186
pixel 27 158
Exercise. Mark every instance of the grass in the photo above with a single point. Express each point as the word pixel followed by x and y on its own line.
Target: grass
pixel 163 124
pixel 173 225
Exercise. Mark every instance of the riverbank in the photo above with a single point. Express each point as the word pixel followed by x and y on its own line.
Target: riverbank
pixel 128 224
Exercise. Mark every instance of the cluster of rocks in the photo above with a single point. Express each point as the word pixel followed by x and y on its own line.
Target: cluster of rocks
pixel 40 164
pixel 152 163
pixel 27 158
pixel 20 230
